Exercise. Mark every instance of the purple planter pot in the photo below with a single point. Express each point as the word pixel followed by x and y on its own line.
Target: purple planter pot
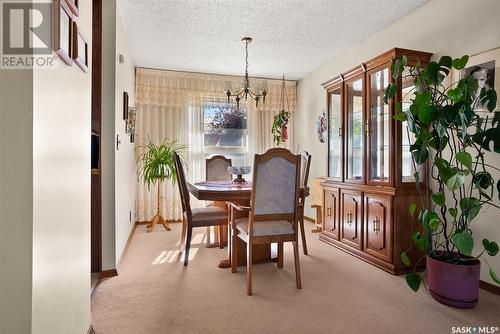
pixel 454 285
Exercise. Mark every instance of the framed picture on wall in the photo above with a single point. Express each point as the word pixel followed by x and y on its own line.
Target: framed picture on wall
pixel 125 106
pixel 130 128
pixel 63 25
pixel 485 68
pixel 73 6
pixel 80 48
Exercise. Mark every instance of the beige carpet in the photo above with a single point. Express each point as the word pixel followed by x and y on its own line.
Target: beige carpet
pixel 154 293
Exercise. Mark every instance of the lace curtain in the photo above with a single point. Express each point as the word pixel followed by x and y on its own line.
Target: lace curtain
pixel 170 105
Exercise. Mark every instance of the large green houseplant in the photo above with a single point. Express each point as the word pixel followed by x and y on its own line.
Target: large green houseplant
pixel 449 135
pixel 156 164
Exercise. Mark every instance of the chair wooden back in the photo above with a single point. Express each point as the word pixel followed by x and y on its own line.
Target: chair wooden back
pixel 216 168
pixel 275 188
pixel 181 180
pixel 304 170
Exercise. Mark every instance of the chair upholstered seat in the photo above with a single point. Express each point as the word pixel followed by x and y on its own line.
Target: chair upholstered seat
pixel 264 228
pixel 208 214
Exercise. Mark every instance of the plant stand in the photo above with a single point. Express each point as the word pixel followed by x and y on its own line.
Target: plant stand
pixel 157 219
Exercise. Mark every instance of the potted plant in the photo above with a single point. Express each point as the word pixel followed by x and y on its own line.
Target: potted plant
pixel 452 138
pixel 279 129
pixel 157 165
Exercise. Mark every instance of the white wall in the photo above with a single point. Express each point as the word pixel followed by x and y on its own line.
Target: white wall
pixel 16 200
pixel 442 27
pixel 118 172
pixel 61 194
pixel 125 175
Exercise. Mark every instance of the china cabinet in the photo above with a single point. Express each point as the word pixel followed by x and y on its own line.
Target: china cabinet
pixel 371 178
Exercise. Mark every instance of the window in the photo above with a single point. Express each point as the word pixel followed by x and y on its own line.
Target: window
pixel 225 130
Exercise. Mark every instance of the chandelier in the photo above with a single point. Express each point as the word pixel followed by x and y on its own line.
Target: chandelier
pixel 246 91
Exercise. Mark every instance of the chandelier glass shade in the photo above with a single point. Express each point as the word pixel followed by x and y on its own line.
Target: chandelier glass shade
pixel 246 91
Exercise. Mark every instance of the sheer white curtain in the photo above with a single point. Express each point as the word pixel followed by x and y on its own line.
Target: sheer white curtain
pixel 170 106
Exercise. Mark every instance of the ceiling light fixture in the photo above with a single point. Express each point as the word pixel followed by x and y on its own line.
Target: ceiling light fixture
pixel 246 91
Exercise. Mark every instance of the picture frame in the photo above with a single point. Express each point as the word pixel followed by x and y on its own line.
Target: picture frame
pixel 125 106
pixel 486 67
pixel 80 53
pixel 62 31
pixel 130 126
pixel 73 6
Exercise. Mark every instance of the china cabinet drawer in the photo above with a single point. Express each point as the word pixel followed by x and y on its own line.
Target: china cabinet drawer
pixel 331 205
pixel 377 225
pixel 351 217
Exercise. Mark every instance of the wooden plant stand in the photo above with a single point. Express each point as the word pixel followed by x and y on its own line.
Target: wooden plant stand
pixel 158 219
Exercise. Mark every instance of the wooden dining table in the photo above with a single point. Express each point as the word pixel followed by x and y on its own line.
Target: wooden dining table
pixel 221 192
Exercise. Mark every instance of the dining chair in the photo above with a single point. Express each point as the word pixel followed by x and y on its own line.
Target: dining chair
pixel 274 209
pixel 305 165
pixel 196 217
pixel 216 170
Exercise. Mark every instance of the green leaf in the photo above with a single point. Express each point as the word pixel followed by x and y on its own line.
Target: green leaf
pixel 420 241
pixel 405 259
pixel 419 152
pixel 426 114
pixel 390 92
pixel 455 181
pixel 464 242
pixel 413 280
pixel 439 198
pixel 483 180
pixel 493 275
pixel 488 97
pixel 498 189
pixel 453 212
pixel 465 159
pixel 470 207
pixel 413 207
pixel 434 224
pixel 491 247
pixel 446 61
pixel 459 63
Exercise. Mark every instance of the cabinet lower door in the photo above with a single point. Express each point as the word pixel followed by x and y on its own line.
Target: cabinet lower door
pixel 351 210
pixel 331 198
pixel 378 219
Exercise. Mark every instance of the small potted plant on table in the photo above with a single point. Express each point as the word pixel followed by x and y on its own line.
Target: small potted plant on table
pixel 452 138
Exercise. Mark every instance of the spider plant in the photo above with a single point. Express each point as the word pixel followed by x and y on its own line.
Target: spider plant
pixel 157 161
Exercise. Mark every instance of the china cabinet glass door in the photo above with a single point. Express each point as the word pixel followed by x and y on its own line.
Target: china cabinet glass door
pixel 335 134
pixel 354 130
pixel 408 138
pixel 378 127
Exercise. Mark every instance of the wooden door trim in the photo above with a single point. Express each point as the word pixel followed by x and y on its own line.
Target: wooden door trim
pixel 96 105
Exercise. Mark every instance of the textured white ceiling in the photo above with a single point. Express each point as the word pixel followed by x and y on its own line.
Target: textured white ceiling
pixel 291 37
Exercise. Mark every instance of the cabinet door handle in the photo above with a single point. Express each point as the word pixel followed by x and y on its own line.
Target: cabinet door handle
pixel 329 212
pixel 376 225
pixel 349 218
pixel 340 132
